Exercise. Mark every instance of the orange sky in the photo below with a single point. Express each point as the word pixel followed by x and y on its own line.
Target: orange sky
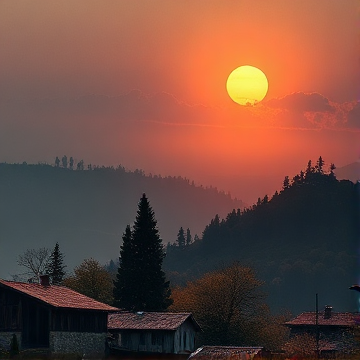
pixel 142 84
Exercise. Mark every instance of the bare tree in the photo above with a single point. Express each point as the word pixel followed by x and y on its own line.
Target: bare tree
pixel 34 261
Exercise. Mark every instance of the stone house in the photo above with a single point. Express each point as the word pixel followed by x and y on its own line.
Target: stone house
pixel 152 332
pixel 331 332
pixel 52 317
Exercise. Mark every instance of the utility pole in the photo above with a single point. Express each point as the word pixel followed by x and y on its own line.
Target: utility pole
pixel 317 326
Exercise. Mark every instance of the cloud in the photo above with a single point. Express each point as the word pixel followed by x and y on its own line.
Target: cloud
pixel 302 102
pixel 313 110
pixel 353 120
pixel 132 106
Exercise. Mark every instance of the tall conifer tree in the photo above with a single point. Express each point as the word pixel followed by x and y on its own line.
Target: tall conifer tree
pixel 140 282
pixel 56 268
pixel 181 238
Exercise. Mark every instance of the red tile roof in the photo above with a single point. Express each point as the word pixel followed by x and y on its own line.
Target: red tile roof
pixel 58 296
pixel 148 320
pixel 336 319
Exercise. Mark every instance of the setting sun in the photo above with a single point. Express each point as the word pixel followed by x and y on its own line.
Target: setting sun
pixel 247 85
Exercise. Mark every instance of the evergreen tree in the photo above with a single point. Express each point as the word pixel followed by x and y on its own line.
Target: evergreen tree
pixel 123 297
pixel 55 267
pixel 64 162
pixel 140 282
pixel 286 183
pixel 319 165
pixel 181 238
pixel 188 237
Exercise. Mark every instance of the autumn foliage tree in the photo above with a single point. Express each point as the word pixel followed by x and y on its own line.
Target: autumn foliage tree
pixel 229 306
pixel 92 280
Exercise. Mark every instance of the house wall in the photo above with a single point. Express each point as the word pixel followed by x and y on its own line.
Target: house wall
pixel 157 341
pixel 5 339
pixel 77 342
pixel 184 339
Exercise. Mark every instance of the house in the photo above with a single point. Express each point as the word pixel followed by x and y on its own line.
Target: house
pixel 229 352
pixel 52 317
pixel 331 332
pixel 153 332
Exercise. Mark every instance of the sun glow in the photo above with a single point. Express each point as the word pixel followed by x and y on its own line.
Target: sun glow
pixel 247 85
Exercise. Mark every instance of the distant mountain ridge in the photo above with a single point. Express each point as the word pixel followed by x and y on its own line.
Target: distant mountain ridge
pixel 349 172
pixel 87 211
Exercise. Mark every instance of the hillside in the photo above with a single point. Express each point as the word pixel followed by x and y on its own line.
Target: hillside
pixel 86 211
pixel 302 241
pixel 349 172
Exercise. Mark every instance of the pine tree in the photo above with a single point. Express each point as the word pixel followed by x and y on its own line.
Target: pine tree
pixel 188 237
pixel 181 238
pixel 140 282
pixel 55 267
pixel 123 294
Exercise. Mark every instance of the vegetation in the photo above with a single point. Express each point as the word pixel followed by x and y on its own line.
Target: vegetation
pixel 229 305
pixel 91 279
pixel 140 282
pixel 35 261
pixel 92 206
pixel 55 267
pixel 303 240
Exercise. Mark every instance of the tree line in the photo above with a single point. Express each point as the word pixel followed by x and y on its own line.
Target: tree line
pixel 306 233
pixel 228 302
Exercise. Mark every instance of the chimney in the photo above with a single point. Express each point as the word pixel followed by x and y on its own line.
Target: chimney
pixel 327 312
pixel 44 280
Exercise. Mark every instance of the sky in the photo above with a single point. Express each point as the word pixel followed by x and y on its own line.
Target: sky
pixel 143 84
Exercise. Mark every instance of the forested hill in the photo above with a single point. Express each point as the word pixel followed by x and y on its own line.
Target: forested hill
pixel 87 211
pixel 302 241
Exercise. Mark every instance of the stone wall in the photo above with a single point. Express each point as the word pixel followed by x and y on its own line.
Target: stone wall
pixel 5 339
pixel 77 343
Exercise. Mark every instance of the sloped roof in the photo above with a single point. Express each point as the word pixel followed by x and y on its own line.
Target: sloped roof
pixel 57 296
pixel 224 352
pixel 126 320
pixel 336 319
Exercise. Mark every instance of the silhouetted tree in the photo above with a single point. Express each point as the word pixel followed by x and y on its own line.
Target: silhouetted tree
pixel 35 262
pixel 57 162
pixel 125 273
pixel 80 165
pixel 319 165
pixel 332 168
pixel 71 163
pixel 188 237
pixel 140 282
pixel 55 267
pixel 64 162
pixel 309 169
pixel 286 183
pixel 181 238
